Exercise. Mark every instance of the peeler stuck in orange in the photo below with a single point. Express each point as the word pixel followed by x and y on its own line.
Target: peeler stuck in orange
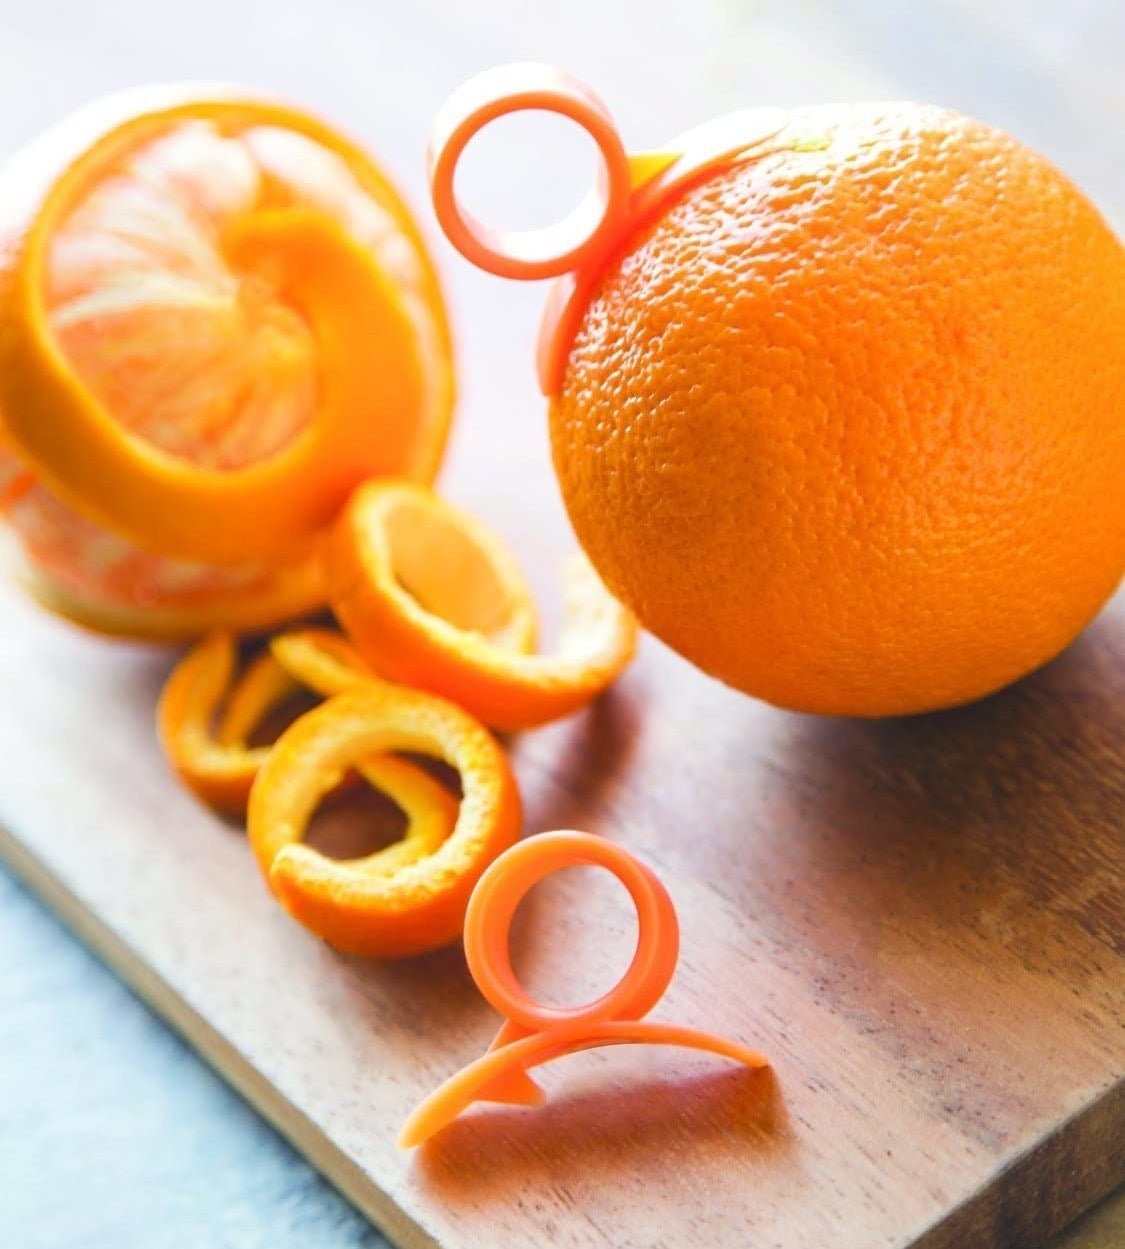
pixel 835 419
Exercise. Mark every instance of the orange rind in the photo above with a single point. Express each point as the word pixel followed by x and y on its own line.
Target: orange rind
pixel 322 659
pixel 418 905
pixel 431 598
pixel 631 188
pixel 216 764
pixel 208 712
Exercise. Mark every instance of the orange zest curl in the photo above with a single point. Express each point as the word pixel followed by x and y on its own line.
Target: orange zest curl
pixel 322 659
pixel 420 904
pixel 218 764
pixel 431 597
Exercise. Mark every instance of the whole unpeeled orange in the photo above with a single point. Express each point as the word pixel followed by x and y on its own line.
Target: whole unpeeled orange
pixel 845 424
pixel 216 317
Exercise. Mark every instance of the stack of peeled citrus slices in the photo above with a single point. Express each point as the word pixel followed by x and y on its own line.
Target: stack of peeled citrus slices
pixel 225 387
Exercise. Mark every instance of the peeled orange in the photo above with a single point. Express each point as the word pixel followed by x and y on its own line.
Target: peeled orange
pixel 216 317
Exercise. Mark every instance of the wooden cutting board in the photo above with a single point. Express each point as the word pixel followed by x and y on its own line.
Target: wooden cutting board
pixel 920 921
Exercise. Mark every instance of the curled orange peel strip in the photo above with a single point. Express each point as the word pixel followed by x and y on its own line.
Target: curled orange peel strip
pixel 418 905
pixel 431 597
pixel 534 1034
pixel 371 369
pixel 220 766
pixel 325 661
pixel 322 659
pixel 263 686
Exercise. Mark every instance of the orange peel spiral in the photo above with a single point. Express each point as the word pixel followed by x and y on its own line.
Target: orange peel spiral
pixel 431 597
pixel 421 904
pixel 216 317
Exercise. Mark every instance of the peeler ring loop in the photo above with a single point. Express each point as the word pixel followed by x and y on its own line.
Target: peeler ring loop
pixel 505 884
pixel 533 1033
pixel 567 244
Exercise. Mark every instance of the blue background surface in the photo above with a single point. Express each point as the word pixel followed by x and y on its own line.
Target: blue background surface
pixel 114 1134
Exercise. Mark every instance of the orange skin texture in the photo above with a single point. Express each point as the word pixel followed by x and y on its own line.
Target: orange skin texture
pixel 220 766
pixel 844 425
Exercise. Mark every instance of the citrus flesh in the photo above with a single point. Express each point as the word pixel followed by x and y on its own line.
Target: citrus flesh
pixel 206 358
pixel 843 426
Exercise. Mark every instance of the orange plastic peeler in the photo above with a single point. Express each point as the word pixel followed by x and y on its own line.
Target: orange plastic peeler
pixel 533 1034
pixel 632 188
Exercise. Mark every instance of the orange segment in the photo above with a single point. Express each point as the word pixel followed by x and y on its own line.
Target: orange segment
pixel 15 480
pixel 420 905
pixel 216 316
pixel 424 593
pixel 102 582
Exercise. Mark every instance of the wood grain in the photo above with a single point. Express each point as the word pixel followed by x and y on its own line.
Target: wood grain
pixel 920 921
